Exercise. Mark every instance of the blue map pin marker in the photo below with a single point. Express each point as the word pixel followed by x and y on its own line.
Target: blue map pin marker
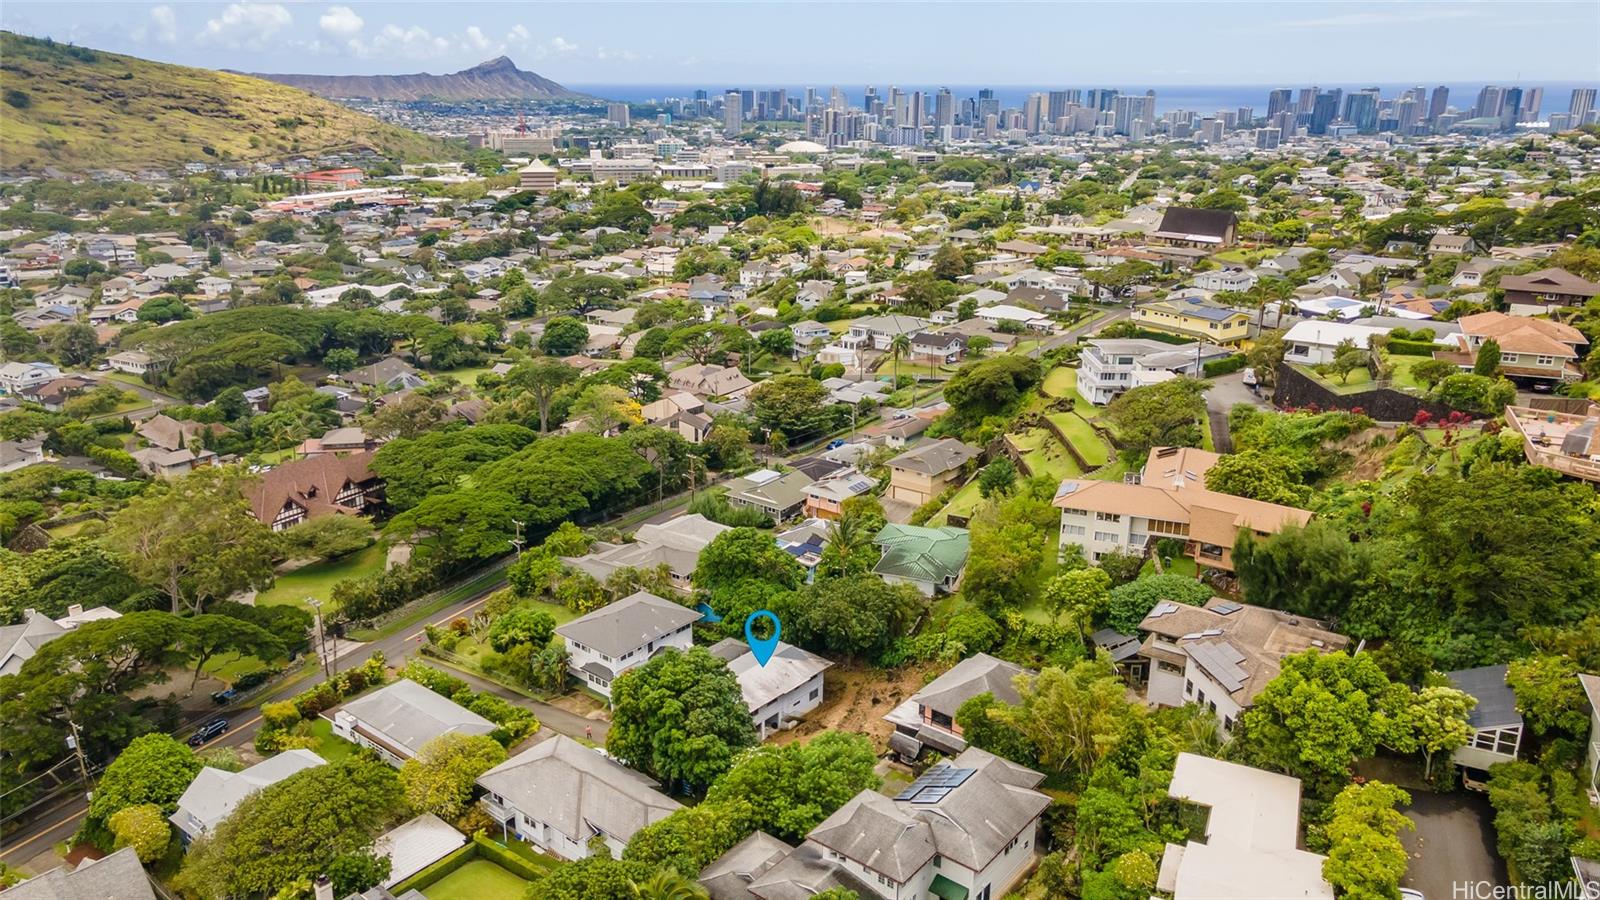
pixel 707 614
pixel 762 647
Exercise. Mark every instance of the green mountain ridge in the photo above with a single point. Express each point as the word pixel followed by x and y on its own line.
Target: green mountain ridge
pixel 76 109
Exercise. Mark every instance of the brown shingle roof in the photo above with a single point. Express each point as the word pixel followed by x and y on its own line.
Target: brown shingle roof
pixel 311 483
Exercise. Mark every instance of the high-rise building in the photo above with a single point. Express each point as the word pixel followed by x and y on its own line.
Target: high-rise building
pixel 732 113
pixel 1278 101
pixel 1510 107
pixel 1407 113
pixel 1491 102
pixel 1361 110
pixel 1033 113
pixel 1532 103
pixel 1100 98
pixel 1582 104
pixel 617 114
pixel 944 108
pixel 1244 116
pixel 1439 103
pixel 1323 110
pixel 1307 100
pixel 1267 138
pixel 1057 106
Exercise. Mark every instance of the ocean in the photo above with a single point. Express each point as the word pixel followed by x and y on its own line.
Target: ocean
pixel 1196 97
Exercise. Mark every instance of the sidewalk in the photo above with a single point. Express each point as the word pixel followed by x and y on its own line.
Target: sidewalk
pixel 553 718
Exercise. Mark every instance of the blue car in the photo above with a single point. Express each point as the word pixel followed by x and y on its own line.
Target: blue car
pixel 206 732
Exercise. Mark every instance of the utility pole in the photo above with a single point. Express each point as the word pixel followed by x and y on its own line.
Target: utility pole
pixel 75 743
pixel 517 541
pixel 322 636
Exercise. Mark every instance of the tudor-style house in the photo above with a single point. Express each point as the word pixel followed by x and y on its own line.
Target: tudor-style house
pixel 314 487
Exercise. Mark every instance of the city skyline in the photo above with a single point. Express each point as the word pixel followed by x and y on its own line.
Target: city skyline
pixel 673 43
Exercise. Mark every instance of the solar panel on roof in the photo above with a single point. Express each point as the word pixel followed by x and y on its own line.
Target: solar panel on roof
pixel 931 794
pixel 1226 609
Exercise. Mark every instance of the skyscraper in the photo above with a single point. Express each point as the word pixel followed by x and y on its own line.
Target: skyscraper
pixel 1582 104
pixel 1323 110
pixel 1439 103
pixel 1033 111
pixel 1510 107
pixel 732 113
pixel 617 114
pixel 1491 101
pixel 1278 101
pixel 1057 107
pixel 944 108
pixel 1361 110
pixel 1532 103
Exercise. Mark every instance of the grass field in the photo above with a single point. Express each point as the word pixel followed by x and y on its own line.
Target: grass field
pixel 479 879
pixel 1083 437
pixel 1061 381
pixel 329 746
pixel 1401 376
pixel 317 580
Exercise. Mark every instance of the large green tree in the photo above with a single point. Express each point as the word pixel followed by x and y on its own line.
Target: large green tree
pixel 791 788
pixel 440 777
pixel 1166 414
pixel 680 717
pixel 1365 857
pixel 153 769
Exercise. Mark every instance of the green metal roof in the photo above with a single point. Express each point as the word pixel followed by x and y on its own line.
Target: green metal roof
pixel 946 889
pixel 922 554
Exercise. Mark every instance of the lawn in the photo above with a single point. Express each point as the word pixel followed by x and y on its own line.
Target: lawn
pixel 1181 565
pixel 330 747
pixel 962 504
pixel 317 580
pixel 1045 455
pixel 479 879
pixel 1401 376
pixel 1061 382
pixel 1083 437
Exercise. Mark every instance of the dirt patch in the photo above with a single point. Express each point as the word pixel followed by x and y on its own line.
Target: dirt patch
pixel 858 697
pixel 580 704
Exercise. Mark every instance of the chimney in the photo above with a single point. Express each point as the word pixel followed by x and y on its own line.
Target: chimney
pixel 74 610
pixel 29 613
pixel 324 888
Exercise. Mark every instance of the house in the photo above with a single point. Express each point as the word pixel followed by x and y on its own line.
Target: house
pixel 937 349
pixel 1546 290
pixel 1169 499
pixel 133 362
pixel 928 559
pixel 805 543
pixel 167 433
pixel 742 872
pixel 1496 724
pixel 19 643
pixel 675 543
pixel 928 718
pixel 965 828
pixel 779 496
pixel 17 377
pixel 1110 366
pixel 1222 655
pixel 1314 342
pixel 1566 442
pixel 1591 690
pixel 337 441
pixel 399 719
pixel 808 334
pixel 16 455
pixel 710 381
pixel 118 876
pixel 215 793
pixel 388 374
pixel 1182 226
pixel 787 686
pixel 1231 278
pixel 160 463
pixel 622 635
pixel 293 492
pixel 921 474
pixel 877 332
pixel 999 314
pixel 1196 318
pixel 559 795
pixel 416 845
pixel 1532 351
pixel 826 496
pixel 1452 245
pixel 125 310
pixel 1251 850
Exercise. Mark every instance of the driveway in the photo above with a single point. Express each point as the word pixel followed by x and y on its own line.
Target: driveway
pixel 1223 393
pixel 1453 844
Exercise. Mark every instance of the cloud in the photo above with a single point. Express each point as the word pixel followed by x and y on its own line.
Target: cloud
pixel 556 46
pixel 415 42
pixel 341 21
pixel 518 34
pixel 474 39
pixel 605 53
pixel 163 26
pixel 1370 19
pixel 246 25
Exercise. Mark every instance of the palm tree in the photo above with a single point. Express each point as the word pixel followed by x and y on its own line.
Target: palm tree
pixel 667 884
pixel 899 346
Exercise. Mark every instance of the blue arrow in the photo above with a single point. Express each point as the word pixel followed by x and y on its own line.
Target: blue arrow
pixel 707 614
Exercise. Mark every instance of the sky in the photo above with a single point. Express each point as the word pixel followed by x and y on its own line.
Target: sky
pixel 726 44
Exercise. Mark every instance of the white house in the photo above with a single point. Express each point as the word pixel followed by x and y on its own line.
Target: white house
pixel 1225 280
pixel 1496 724
pixel 622 635
pixel 559 794
pixel 1251 848
pixel 1005 312
pixel 133 362
pixel 1108 367
pixel 397 720
pixel 787 687
pixel 15 377
pixel 215 793
pixel 1314 341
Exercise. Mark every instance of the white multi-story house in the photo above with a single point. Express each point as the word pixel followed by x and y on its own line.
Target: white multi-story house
pixel 559 795
pixel 215 793
pixel 15 377
pixel 787 686
pixel 1225 280
pixel 622 635
pixel 1111 366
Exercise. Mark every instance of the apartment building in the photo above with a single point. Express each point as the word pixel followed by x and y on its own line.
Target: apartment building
pixel 1194 317
pixel 1111 366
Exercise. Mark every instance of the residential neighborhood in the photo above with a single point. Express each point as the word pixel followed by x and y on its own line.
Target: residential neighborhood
pixel 874 492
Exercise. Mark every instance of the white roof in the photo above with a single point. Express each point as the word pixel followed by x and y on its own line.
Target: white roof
pixel 789 668
pixel 1007 311
pixel 214 793
pixel 413 715
pixel 1330 334
pixel 416 845
pixel 1251 835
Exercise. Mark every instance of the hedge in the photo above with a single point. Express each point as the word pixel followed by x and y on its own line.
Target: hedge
pixel 1225 366
pixel 518 865
pixel 431 875
pixel 1411 348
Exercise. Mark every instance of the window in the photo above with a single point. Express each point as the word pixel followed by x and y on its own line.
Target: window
pixel 1074 530
pixel 1108 517
pixel 1227 723
pixel 1547 360
pixel 1188 686
pixel 1106 537
pixel 1201 698
pixel 937 860
pixel 814 693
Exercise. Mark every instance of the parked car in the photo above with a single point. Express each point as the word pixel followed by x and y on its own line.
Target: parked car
pixel 224 697
pixel 208 731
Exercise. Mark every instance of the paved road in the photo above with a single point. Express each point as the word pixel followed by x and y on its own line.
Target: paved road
pixel 1072 335
pixel 1222 394
pixel 1453 845
pixel 552 719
